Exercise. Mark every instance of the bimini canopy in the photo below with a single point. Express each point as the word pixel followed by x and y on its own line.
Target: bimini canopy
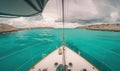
pixel 25 8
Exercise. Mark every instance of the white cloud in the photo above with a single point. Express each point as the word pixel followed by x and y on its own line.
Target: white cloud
pixel 114 16
pixel 23 22
pixel 36 21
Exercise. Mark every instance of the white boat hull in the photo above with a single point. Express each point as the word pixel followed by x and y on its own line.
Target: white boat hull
pixel 78 62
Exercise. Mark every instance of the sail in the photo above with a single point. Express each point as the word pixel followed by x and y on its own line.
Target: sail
pixel 25 8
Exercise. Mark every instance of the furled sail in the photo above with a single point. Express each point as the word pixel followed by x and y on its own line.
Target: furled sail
pixel 25 8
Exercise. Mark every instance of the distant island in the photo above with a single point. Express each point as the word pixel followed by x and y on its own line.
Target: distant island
pixel 4 28
pixel 7 28
pixel 102 27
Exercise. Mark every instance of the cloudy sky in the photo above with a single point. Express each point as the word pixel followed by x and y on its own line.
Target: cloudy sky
pixel 80 11
pixel 85 11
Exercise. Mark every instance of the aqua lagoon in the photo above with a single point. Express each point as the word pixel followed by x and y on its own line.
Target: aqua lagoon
pixel 19 51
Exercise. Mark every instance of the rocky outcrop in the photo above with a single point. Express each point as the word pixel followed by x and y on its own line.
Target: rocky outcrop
pixel 102 27
pixel 7 28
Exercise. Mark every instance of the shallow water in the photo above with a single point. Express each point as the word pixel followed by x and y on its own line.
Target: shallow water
pixel 20 50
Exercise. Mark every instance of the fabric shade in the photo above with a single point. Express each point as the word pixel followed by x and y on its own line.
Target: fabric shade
pixel 25 8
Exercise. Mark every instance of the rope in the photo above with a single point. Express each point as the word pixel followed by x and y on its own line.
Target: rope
pixel 63 33
pixel 63 21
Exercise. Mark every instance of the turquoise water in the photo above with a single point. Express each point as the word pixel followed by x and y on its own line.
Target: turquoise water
pixel 20 50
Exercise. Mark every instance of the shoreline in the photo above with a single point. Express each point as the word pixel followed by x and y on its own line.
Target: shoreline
pixel 5 28
pixel 102 27
pixel 20 29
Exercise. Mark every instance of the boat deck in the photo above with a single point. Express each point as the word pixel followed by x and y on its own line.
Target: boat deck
pixel 74 61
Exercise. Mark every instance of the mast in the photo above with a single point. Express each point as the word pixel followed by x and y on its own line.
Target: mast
pixel 63 21
pixel 63 35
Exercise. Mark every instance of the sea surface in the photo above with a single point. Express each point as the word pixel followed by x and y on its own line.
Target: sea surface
pixel 19 51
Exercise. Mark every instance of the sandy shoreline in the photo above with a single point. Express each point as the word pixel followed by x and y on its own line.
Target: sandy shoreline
pixel 102 27
pixel 5 28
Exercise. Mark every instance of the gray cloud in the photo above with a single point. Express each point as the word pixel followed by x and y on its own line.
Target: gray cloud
pixel 80 11
pixel 86 11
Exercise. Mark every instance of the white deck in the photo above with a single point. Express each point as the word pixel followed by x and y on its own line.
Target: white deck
pixel 79 63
